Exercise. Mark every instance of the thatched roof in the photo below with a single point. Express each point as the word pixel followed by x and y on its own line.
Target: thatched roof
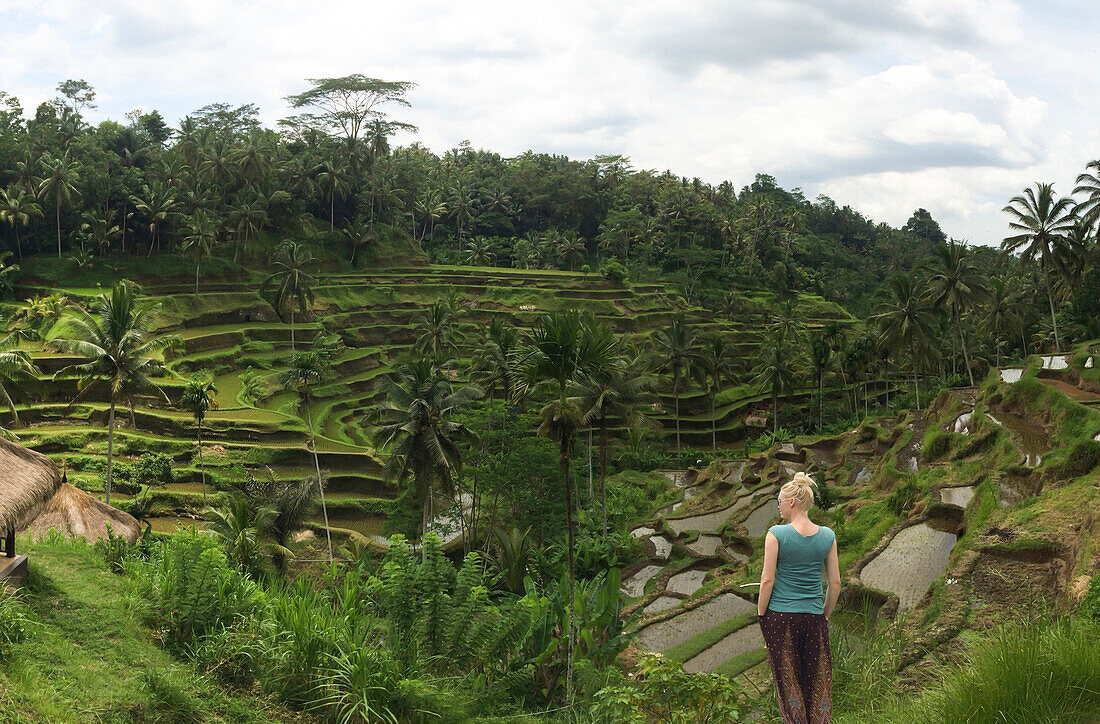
pixel 27 480
pixel 80 515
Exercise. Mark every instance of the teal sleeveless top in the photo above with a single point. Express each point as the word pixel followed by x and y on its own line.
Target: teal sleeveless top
pixel 798 567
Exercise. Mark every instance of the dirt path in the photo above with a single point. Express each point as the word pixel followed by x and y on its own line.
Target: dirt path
pixel 1074 393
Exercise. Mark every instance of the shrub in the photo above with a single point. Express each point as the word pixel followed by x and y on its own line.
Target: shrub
pixel 901 500
pixel 153 469
pixel 613 271
pixel 663 692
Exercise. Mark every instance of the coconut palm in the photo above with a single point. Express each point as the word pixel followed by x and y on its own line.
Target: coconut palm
pixel 776 370
pixel 905 321
pixel 821 362
pixel 715 362
pixel 478 251
pixel 358 233
pixel 247 219
pixel 202 235
pixel 437 332
pixel 17 208
pixel 239 527
pixel 58 186
pixel 621 390
pixel 1044 223
pixel 307 370
pixel 431 207
pixel 119 352
pixel 1003 314
pixel 100 228
pixel 198 398
pixel 675 351
pixel 289 284
pixel 17 371
pixel 415 424
pixel 1088 184
pixel 549 362
pixel 494 361
pixel 571 247
pixel 957 285
pixel 333 181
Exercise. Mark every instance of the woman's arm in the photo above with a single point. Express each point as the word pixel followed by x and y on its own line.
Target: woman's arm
pixel 832 570
pixel 767 574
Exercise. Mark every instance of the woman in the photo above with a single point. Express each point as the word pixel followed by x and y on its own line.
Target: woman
pixel 793 609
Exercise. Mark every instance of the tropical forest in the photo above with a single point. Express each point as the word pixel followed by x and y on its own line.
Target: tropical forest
pixel 337 428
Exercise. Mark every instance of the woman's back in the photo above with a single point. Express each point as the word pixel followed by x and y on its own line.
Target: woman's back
pixel 798 568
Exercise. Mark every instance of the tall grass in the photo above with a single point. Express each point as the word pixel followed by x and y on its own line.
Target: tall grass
pixel 1040 672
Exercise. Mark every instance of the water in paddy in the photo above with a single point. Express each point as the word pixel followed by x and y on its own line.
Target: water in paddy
pixel 1031 440
pixel 915 558
pixel 757 522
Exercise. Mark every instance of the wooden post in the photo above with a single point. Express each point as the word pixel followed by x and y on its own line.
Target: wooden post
pixel 9 544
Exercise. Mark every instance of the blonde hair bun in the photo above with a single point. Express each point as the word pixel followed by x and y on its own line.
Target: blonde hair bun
pixel 801 488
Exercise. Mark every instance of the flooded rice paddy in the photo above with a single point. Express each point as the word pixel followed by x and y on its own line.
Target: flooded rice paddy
pixel 915 558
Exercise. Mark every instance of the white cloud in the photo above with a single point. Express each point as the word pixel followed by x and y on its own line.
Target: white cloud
pixel 884 106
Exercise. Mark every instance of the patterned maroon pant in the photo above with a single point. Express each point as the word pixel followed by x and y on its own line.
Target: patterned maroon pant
pixel 798 646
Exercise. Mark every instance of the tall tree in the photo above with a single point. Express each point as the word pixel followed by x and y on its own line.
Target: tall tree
pixel 956 284
pixel 904 321
pixel 677 355
pixel 289 285
pixel 551 360
pixel 202 235
pixel 415 425
pixel 1044 224
pixel 821 361
pixel 17 207
pixel 345 105
pixel 307 370
pixel 198 398
pixel 17 371
pixel 715 362
pixel 58 186
pixel 777 368
pixel 119 352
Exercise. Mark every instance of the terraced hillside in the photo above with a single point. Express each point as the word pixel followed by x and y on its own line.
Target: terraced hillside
pixel 974 511
pixel 228 329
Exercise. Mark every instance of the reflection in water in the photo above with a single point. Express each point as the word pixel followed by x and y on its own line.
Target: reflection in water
pixel 915 558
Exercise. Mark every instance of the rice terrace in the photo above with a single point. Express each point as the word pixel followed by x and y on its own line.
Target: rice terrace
pixel 312 412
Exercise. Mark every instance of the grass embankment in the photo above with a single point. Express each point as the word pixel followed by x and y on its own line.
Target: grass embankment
pixel 88 658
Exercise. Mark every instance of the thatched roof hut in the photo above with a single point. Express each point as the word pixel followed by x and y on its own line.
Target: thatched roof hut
pixel 27 480
pixel 80 515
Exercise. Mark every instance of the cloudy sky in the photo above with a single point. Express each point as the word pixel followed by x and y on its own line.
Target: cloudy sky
pixel 953 105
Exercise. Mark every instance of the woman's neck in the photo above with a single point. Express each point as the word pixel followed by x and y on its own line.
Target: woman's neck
pixel 800 517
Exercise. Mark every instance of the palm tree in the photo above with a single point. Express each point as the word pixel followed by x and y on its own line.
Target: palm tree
pixel 438 335
pixel 247 218
pixel 306 371
pixel 904 320
pixel 17 371
pixel 118 350
pixel 291 285
pixel 1044 223
pixel 101 229
pixel 59 187
pixel 358 234
pixel 955 283
pixel 1003 314
pixel 198 398
pixel 619 389
pixel 550 362
pixel 202 234
pixel 414 422
pixel 431 207
pixel 478 252
pixel 715 361
pixel 776 370
pixel 1088 184
pixel 494 361
pixel 333 180
pixel 238 528
pixel 821 362
pixel 571 247
pixel 17 207
pixel 675 350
